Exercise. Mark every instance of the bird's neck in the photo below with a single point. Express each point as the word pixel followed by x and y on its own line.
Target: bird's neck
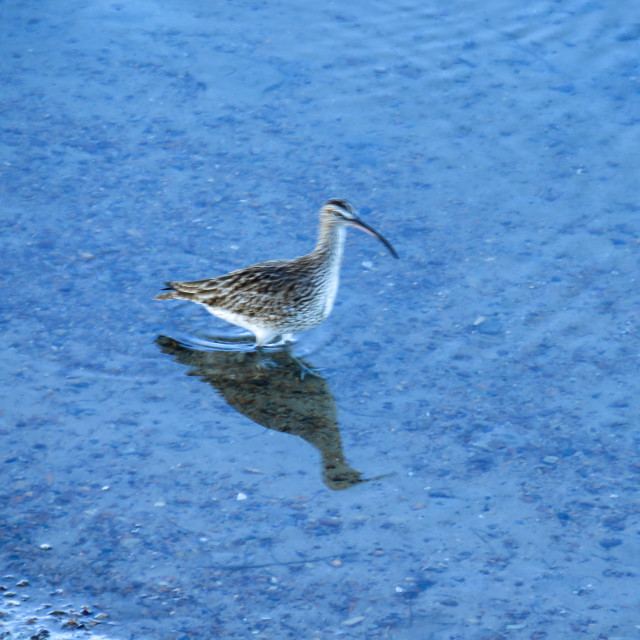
pixel 327 258
pixel 330 244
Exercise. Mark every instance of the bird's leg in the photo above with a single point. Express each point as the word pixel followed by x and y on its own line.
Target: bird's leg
pixel 265 361
pixel 268 361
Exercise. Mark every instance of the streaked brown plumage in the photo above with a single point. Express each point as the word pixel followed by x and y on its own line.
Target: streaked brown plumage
pixel 281 297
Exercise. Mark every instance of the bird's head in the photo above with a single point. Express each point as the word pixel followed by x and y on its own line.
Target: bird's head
pixel 341 213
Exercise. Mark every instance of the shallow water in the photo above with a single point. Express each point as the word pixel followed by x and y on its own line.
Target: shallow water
pixel 464 465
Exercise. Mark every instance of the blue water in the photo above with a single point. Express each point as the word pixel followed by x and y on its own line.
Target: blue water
pixel 466 464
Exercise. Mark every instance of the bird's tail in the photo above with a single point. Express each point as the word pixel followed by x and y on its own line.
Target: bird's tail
pixel 171 295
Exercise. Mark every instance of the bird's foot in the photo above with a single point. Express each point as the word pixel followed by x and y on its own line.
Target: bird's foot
pixel 304 369
pixel 283 356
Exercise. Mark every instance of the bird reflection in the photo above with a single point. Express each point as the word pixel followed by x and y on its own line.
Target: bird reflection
pixel 271 388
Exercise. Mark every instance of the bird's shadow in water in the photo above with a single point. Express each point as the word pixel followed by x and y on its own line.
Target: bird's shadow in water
pixel 271 389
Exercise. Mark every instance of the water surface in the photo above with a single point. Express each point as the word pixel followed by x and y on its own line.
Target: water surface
pixel 466 463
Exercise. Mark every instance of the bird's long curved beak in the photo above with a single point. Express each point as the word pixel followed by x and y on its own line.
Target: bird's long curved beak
pixel 358 224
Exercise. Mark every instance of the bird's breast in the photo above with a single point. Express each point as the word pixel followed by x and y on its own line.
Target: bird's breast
pixel 331 290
